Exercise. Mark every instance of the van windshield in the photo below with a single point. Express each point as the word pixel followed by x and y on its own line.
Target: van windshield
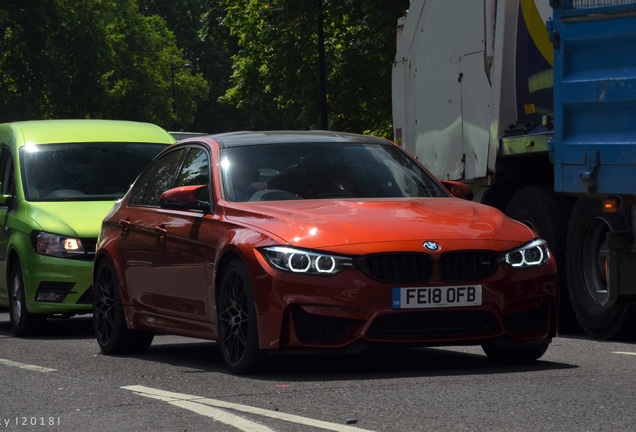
pixel 83 171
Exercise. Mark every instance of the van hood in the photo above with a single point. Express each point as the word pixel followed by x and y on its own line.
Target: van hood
pixel 72 218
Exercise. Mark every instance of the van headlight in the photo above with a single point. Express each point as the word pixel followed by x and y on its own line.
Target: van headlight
pixel 57 245
pixel 533 254
pixel 305 261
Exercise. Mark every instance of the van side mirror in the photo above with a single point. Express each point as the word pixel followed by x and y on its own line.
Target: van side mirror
pixel 6 201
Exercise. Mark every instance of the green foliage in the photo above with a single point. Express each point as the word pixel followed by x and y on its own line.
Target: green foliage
pixel 208 46
pixel 200 65
pixel 96 59
pixel 276 69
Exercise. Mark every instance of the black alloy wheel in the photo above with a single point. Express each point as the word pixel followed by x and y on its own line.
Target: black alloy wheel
pixel 109 323
pixel 238 330
pixel 515 354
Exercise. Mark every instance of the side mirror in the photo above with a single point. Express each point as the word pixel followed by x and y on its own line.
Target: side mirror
pixel 7 201
pixel 458 189
pixel 184 198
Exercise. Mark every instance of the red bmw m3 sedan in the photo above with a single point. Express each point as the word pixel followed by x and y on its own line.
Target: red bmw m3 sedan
pixel 287 241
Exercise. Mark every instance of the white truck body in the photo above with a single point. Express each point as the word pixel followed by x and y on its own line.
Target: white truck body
pixel 533 104
pixel 454 82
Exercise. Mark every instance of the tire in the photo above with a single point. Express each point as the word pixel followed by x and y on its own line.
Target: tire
pixel 23 323
pixel 547 214
pixel 109 322
pixel 515 354
pixel 238 327
pixel 586 282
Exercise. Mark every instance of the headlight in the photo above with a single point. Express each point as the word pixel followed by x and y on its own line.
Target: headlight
pixel 57 245
pixel 304 261
pixel 533 254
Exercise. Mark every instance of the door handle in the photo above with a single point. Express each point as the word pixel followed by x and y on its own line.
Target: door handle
pixel 124 224
pixel 161 230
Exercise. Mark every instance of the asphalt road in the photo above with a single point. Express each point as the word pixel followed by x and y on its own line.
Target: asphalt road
pixel 61 382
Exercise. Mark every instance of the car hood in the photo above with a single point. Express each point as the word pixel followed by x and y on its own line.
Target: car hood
pixel 72 218
pixel 343 224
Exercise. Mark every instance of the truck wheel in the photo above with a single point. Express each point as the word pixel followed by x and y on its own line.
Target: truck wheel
pixel 586 278
pixel 547 214
pixel 23 322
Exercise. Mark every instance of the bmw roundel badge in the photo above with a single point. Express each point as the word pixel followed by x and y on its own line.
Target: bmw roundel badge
pixel 432 246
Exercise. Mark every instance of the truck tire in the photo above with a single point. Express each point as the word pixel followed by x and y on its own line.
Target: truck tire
pixel 547 214
pixel 586 282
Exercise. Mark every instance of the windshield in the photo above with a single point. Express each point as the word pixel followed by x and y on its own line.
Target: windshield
pixel 323 171
pixel 83 171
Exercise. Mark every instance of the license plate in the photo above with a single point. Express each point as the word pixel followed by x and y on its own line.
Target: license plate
pixel 436 297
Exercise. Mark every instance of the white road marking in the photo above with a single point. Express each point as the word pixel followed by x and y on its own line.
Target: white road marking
pixel 34 368
pixel 624 352
pixel 30 367
pixel 208 411
pixel 210 407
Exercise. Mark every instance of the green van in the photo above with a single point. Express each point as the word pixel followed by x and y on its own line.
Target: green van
pixel 59 179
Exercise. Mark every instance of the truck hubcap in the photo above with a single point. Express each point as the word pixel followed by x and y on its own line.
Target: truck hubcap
pixel 594 266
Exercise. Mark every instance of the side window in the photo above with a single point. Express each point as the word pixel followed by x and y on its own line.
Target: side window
pixel 196 171
pixel 7 172
pixel 157 179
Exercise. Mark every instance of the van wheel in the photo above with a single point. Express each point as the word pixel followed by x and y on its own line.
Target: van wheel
pixel 109 322
pixel 23 323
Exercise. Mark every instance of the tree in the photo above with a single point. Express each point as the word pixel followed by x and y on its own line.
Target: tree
pixel 252 64
pixel 275 77
pixel 208 46
pixel 98 59
pixel 362 38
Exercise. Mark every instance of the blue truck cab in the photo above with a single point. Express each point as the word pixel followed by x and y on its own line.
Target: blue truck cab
pixel 594 154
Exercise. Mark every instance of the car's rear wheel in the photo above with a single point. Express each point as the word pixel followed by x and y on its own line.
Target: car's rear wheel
pixel 238 328
pixel 23 322
pixel 515 354
pixel 109 322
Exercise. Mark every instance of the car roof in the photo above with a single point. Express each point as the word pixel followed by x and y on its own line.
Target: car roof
pixel 84 130
pixel 246 138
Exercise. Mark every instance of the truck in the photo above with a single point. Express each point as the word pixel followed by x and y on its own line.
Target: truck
pixel 533 104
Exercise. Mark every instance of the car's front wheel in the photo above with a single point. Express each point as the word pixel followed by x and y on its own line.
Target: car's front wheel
pixel 238 329
pixel 109 323
pixel 23 322
pixel 515 354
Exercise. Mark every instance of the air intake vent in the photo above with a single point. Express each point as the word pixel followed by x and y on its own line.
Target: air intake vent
pixel 468 266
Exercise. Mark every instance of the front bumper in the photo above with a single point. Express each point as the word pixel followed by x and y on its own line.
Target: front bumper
pixel 57 285
pixel 296 311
